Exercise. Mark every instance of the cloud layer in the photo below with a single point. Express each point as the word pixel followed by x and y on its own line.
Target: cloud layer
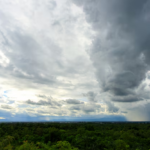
pixel 120 51
pixel 74 58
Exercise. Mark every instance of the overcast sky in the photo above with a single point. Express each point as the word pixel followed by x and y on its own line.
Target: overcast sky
pixel 74 60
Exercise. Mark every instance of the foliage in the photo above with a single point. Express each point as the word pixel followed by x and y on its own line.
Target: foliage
pixel 121 145
pixel 74 136
pixel 27 146
pixel 63 145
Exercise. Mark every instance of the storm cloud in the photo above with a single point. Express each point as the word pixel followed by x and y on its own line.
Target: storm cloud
pixel 121 49
pixel 73 101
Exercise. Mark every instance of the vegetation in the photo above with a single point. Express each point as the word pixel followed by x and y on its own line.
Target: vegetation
pixel 74 136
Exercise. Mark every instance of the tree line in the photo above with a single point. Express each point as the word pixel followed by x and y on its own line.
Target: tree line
pixel 74 136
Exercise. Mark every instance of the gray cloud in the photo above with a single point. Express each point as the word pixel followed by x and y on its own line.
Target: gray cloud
pixel 36 58
pixel 120 51
pixel 75 108
pixel 48 102
pixel 73 101
pixel 42 96
pixel 23 49
pixel 30 110
pixel 90 108
pixel 39 55
pixel 124 112
pixel 111 108
pixel 128 98
pixel 91 96
pixel 140 112
pixel 6 107
pixel 87 108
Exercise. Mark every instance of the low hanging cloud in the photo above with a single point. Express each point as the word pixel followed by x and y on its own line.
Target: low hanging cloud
pixel 43 103
pixel 111 108
pixel 73 101
pixel 6 107
pixel 91 96
pixel 121 49
pixel 129 98
pixel 87 108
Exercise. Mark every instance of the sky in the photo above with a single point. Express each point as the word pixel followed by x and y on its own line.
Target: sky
pixel 74 60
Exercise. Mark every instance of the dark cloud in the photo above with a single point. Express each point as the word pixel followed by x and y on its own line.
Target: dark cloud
pixel 91 96
pixel 121 49
pixel 6 107
pixel 44 96
pixel 124 112
pixel 87 108
pixel 140 112
pixel 129 98
pixel 75 108
pixel 111 108
pixel 48 102
pixel 148 75
pixel 73 101
pixel 90 108
pixel 142 93
pixel 30 110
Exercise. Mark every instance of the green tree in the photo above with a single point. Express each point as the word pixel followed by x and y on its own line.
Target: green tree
pixel 39 131
pixel 9 138
pixel 121 145
pixel 8 147
pixel 63 145
pixel 27 146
